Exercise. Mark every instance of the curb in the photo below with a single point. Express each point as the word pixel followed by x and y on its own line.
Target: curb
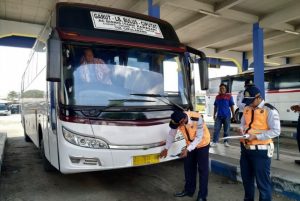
pixel 280 185
pixel 224 169
pixel 3 137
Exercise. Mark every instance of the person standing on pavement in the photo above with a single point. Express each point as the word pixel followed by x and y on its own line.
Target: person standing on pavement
pixel 222 106
pixel 240 98
pixel 261 122
pixel 195 154
pixel 296 108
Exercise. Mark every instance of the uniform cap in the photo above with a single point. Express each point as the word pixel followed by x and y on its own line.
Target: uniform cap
pixel 250 94
pixel 175 119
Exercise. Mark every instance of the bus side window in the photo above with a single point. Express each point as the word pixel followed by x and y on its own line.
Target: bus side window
pixel 276 78
pixel 289 80
pixel 269 83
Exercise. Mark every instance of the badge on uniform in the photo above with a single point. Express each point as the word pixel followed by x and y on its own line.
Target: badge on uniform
pixel 247 94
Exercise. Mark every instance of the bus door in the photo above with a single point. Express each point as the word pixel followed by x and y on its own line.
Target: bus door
pixel 50 141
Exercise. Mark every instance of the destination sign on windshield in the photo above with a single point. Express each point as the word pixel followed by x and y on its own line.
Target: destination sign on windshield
pixel 121 23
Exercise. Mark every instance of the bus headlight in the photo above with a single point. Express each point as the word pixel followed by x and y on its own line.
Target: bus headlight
pixel 83 141
pixel 178 136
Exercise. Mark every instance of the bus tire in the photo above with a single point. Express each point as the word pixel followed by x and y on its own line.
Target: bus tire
pixel 27 138
pixel 46 164
pixel 237 116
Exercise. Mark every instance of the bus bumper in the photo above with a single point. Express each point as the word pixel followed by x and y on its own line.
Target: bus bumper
pixel 75 159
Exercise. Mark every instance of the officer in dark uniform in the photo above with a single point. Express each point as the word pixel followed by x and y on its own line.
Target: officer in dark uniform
pixel 196 152
pixel 261 122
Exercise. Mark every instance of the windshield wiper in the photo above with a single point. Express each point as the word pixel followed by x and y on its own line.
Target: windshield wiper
pixel 131 100
pixel 160 96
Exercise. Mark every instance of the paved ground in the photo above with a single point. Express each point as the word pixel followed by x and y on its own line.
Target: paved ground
pixel 23 178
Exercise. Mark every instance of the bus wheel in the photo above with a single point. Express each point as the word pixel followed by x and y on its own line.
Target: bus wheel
pixel 237 116
pixel 27 138
pixel 47 165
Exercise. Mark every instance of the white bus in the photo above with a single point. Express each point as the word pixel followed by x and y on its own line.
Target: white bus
pixel 112 112
pixel 282 89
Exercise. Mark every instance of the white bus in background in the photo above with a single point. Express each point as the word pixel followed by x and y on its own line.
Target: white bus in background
pixel 81 125
pixel 282 89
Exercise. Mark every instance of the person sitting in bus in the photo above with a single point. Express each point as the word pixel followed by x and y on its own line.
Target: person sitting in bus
pixel 240 98
pixel 93 69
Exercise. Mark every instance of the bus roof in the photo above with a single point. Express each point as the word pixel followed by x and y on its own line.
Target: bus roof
pixel 86 22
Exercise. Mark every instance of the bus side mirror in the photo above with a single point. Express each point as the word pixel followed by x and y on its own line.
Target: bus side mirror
pixel 203 67
pixel 203 73
pixel 54 60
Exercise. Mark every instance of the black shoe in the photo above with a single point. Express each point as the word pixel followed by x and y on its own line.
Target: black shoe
pixel 183 194
pixel 201 199
pixel 297 162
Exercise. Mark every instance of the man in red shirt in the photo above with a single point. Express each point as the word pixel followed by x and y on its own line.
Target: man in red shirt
pixel 223 104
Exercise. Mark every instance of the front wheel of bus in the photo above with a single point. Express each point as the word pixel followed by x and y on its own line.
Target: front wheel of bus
pixel 47 165
pixel 27 138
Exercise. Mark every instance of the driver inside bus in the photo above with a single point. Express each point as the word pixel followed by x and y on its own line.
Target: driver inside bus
pixel 93 69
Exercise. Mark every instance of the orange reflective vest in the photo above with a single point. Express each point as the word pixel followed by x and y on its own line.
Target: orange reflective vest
pixel 189 130
pixel 256 122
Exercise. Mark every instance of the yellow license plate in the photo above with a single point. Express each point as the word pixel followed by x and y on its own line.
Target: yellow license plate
pixel 145 159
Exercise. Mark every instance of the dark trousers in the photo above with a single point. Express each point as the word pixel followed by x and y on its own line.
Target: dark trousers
pixel 197 158
pixel 298 133
pixel 225 121
pixel 255 164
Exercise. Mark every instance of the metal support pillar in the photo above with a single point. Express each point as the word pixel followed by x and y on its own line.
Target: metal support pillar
pixel 258 56
pixel 245 62
pixel 153 10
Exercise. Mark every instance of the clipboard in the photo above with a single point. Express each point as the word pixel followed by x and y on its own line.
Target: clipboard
pixel 237 137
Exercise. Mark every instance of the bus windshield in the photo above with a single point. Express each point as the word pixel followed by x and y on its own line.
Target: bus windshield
pixel 103 76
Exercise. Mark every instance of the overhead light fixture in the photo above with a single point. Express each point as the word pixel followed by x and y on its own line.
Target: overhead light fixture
pixel 208 13
pixel 292 32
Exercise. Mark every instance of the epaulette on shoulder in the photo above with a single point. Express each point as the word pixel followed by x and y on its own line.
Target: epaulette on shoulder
pixel 270 106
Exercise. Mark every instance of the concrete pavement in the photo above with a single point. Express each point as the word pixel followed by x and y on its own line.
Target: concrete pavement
pixel 23 170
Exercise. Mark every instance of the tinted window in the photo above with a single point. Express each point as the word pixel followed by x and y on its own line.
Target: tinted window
pixel 288 79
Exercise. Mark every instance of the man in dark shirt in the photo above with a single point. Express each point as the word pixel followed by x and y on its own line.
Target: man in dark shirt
pixel 223 104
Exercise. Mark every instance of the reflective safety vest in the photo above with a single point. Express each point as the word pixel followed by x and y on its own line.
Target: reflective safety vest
pixel 189 130
pixel 256 122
